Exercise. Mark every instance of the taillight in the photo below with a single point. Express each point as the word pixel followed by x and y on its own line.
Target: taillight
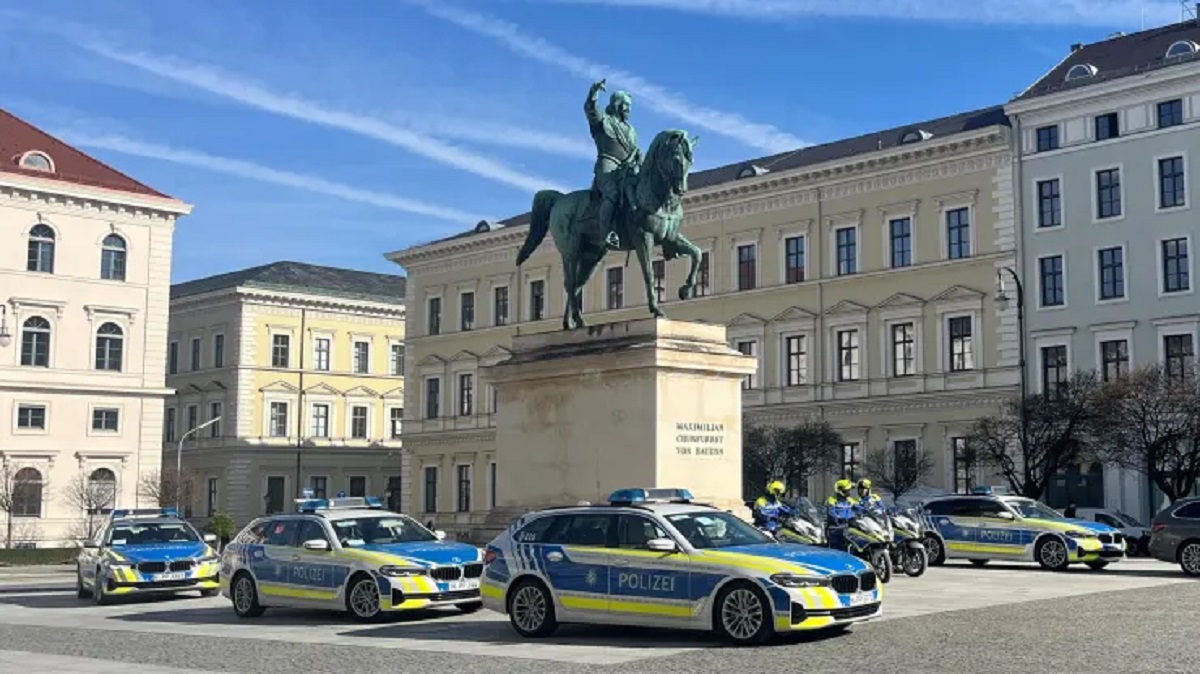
pixel 1156 527
pixel 489 556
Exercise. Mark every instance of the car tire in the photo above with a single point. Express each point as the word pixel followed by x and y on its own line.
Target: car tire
pixel 362 599
pixel 936 550
pixel 978 562
pixel 1189 558
pixel 244 593
pixel 1052 554
pixel 1097 565
pixel 742 615
pixel 531 610
pixel 470 606
pixel 80 591
pixel 99 598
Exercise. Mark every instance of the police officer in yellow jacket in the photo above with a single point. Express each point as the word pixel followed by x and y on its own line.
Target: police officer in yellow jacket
pixel 866 498
pixel 768 509
pixel 835 528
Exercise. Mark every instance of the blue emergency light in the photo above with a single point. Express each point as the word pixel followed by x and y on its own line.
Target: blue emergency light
pixel 983 490
pixel 639 495
pixel 144 512
pixel 312 505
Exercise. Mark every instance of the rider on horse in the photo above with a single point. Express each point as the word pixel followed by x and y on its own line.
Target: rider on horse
pixel 618 156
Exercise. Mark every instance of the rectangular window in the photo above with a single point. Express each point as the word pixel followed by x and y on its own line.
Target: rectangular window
pixel 193 417
pixel 793 248
pixel 395 493
pixel 1114 359
pixel 31 417
pixel 1054 368
pixel 358 422
pixel 219 351
pixel 749 348
pixel 1108 193
pixel 434 326
pixel 466 311
pixel 358 486
pixel 1049 203
pixel 197 345
pixel 1050 273
pixel 1170 113
pixel 703 277
pixel 397 362
pixel 321 348
pixel 319 486
pixel 1176 268
pixel 500 305
pixel 275 493
pixel 396 418
pixel 280 350
pixel 169 425
pixel 1111 262
pixel 492 481
pixel 1180 355
pixel 962 349
pixel 433 398
pixel 659 267
pixel 1047 138
pixel 900 233
pixel 851 461
pixel 846 239
pixel 747 271
pixel 904 350
pixel 495 399
pixel 1172 184
pixel 614 278
pixel 464 489
pixel 1107 126
pixel 964 470
pixel 320 420
pixel 362 357
pixel 211 501
pixel 214 412
pixel 279 420
pixel 848 356
pixel 796 358
pixel 466 394
pixel 173 358
pixel 958 233
pixel 537 300
pixel 430 492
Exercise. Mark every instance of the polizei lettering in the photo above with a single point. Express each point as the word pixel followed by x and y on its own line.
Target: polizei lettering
pixel 648 582
pixel 996 535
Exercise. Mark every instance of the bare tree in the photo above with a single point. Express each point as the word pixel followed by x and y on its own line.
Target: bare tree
pixel 898 470
pixel 791 454
pixel 91 498
pixel 14 489
pixel 1030 440
pixel 166 489
pixel 1151 424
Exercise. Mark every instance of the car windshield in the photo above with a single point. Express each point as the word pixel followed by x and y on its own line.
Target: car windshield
pixel 1031 508
pixel 382 530
pixel 152 533
pixel 1127 520
pixel 707 530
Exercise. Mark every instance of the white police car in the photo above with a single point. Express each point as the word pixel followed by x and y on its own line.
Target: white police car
pixel 668 562
pixel 347 554
pixel 148 550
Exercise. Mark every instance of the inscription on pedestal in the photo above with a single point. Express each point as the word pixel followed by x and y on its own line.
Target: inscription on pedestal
pixel 697 438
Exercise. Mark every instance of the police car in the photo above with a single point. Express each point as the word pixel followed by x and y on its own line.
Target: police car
pixel 982 527
pixel 669 562
pixel 146 551
pixel 347 554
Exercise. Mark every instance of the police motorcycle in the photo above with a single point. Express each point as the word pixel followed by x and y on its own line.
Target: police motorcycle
pixel 803 526
pixel 908 549
pixel 866 535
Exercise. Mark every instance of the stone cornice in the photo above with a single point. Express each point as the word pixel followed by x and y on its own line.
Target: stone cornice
pixel 129 209
pixel 881 405
pixel 292 300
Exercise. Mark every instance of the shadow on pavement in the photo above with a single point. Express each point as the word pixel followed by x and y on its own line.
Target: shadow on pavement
pixel 277 617
pixel 67 599
pixel 1117 569
pixel 500 633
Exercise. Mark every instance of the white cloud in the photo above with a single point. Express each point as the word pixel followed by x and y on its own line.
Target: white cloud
pixel 753 134
pixel 245 169
pixel 1100 13
pixel 227 86
pixel 503 135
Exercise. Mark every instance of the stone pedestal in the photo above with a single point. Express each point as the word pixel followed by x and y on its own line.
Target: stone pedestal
pixel 646 403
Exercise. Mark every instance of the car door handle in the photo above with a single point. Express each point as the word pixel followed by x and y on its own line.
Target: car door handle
pixel 620 562
pixel 555 556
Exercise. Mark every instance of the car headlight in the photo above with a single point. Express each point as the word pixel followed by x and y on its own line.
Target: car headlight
pixel 115 566
pixel 207 560
pixel 793 580
pixel 400 571
pixel 1079 534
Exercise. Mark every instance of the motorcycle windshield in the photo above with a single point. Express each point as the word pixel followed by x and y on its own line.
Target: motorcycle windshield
pixel 807 511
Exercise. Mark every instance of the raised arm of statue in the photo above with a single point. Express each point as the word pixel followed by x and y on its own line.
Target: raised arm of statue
pixel 590 108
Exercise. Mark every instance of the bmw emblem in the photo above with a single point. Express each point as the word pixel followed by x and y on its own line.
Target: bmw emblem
pixel 456 560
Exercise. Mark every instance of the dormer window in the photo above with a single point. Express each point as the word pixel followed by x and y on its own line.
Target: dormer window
pixel 751 171
pixel 1182 48
pixel 484 226
pixel 914 136
pixel 36 161
pixel 1081 71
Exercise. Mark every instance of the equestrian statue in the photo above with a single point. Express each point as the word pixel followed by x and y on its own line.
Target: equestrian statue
pixel 634 204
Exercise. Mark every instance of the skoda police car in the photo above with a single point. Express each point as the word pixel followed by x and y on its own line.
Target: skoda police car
pixel 146 551
pixel 981 527
pixel 654 558
pixel 347 554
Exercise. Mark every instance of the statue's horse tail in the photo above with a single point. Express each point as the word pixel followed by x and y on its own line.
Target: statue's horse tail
pixel 539 222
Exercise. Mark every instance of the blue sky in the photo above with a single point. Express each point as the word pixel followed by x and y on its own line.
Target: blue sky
pixel 332 132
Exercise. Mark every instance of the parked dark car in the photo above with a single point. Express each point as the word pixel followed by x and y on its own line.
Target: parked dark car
pixel 1175 535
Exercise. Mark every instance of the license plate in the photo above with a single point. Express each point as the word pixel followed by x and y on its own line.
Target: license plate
pixel 469 584
pixel 860 598
pixel 169 576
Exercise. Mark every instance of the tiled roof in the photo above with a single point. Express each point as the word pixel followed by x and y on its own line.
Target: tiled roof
pixel 70 165
pixel 1118 56
pixel 303 278
pixel 815 154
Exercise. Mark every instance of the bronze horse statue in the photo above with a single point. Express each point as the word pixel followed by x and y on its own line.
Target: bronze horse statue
pixel 649 215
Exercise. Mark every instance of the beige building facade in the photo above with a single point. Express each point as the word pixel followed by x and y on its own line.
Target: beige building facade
pixel 860 274
pixel 302 366
pixel 84 279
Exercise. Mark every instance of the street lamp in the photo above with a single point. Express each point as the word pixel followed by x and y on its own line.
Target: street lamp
pixel 1003 299
pixel 179 461
pixel 5 337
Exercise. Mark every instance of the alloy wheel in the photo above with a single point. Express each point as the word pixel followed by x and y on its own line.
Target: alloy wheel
pixel 243 595
pixel 1189 559
pixel 364 599
pixel 529 608
pixel 1054 554
pixel 742 614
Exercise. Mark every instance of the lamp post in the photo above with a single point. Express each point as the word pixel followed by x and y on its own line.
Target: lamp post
pixel 1002 299
pixel 179 461
pixel 5 337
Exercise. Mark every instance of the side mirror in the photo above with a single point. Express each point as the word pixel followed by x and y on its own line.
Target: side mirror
pixel 210 538
pixel 1005 515
pixel 91 545
pixel 441 535
pixel 317 545
pixel 661 545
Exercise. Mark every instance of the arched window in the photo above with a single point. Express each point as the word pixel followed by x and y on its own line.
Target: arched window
pixel 1080 71
pixel 35 342
pixel 41 249
pixel 102 490
pixel 110 343
pixel 38 161
pixel 1181 48
pixel 112 258
pixel 27 493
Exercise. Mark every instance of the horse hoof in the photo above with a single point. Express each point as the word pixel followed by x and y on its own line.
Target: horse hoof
pixel 685 292
pixel 658 313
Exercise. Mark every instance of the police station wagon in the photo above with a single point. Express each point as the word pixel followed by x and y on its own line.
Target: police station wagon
pixel 347 555
pixel 668 562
